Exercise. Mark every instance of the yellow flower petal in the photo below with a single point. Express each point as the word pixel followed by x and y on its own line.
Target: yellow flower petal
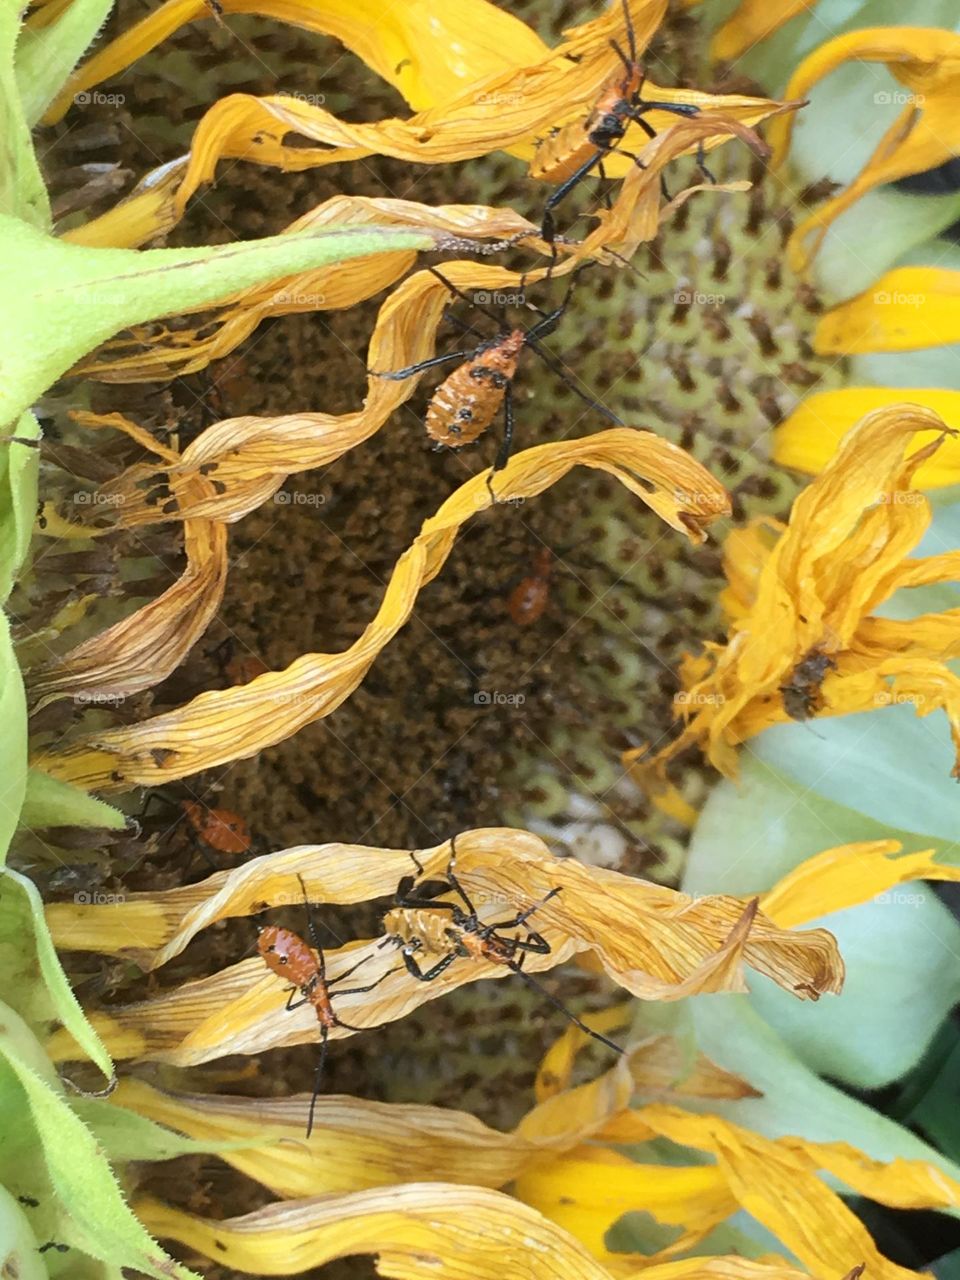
pixel 233 723
pixel 925 134
pixel 847 876
pixel 802 638
pixel 659 1064
pixel 655 942
pixel 586 1191
pixel 489 99
pixel 357 1144
pixel 907 309
pixel 401 44
pixel 753 22
pixel 810 436
pixel 147 646
pixel 419 1231
pixel 776 1181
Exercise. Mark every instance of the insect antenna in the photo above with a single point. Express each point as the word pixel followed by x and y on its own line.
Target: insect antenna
pixel 631 36
pixel 556 367
pixel 471 302
pixel 531 981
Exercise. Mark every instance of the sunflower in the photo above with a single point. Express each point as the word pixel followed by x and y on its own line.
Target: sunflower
pixel 688 1129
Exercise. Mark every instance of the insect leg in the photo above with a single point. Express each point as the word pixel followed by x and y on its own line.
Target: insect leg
pixel 347 972
pixel 453 879
pixel 504 452
pixel 524 916
pixel 291 1004
pixel 548 229
pixel 314 936
pixel 531 981
pixel 428 975
pixel 554 365
pixel 318 1077
pixel 398 375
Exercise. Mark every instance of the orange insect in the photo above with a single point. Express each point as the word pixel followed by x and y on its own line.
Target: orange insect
pixel 573 151
pixel 530 597
pixel 220 829
pixel 465 404
pixel 286 954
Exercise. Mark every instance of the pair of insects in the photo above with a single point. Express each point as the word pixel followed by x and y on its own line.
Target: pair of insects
pixel 468 400
pixel 425 928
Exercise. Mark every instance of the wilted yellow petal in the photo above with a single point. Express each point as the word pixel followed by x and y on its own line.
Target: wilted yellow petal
pixel 845 877
pixel 147 646
pixel 419 1231
pixel 403 44
pixel 356 1143
pixel 587 1190
pixel 753 22
pixel 802 638
pixel 658 1065
pixel 233 723
pixel 729 1267
pixel 906 309
pixel 926 132
pixel 655 942
pixel 811 434
pixel 148 353
pixel 776 1182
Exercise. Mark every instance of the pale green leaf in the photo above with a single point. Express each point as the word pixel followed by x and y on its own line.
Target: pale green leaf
pixel 51 803
pixel 45 58
pixel 34 980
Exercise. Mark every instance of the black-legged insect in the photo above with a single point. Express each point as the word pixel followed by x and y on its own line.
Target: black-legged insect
pixel 572 152
pixel 463 935
pixel 465 404
pixel 801 691
pixel 286 954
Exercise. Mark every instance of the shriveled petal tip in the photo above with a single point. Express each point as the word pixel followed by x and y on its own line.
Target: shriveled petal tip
pixel 752 22
pixel 654 942
pixel 810 436
pixel 803 639
pixel 237 722
pixel 847 876
pixel 776 1180
pixel 926 132
pixel 907 309
pixel 418 1230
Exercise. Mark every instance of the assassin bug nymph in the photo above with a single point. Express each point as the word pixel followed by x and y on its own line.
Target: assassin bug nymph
pixel 286 954
pixel 573 151
pixel 464 935
pixel 465 404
